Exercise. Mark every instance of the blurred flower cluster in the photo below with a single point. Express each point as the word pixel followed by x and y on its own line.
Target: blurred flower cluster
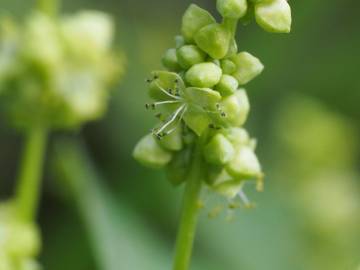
pixel 201 96
pixel 57 71
pixel 19 242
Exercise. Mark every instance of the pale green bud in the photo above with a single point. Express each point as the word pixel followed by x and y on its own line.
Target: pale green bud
pixel 179 41
pixel 247 67
pixel 88 34
pixel 236 108
pixel 172 141
pixel 190 55
pixel 245 165
pixel 197 120
pixel 228 66
pixel 225 184
pixel 233 9
pixel 170 61
pixel 274 16
pixel 41 42
pixel 204 97
pixel 227 85
pixel 233 48
pixel 29 264
pixel 177 169
pixel 23 241
pixel 219 150
pixel 214 39
pixel 163 81
pixel 237 136
pixel 203 75
pixel 193 20
pixel 149 153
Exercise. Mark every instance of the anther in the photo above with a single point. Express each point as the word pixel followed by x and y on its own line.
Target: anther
pixel 153 106
pixel 147 106
pixel 158 115
pixel 156 77
pixel 148 80
pixel 223 114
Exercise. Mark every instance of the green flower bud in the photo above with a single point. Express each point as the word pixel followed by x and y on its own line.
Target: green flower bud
pixel 179 41
pixel 203 97
pixel 193 20
pixel 225 184
pixel 163 81
pixel 245 165
pixel 233 9
pixel 236 109
pixel 197 120
pixel 227 85
pixel 150 153
pixel 190 55
pixel 203 75
pixel 233 49
pixel 177 169
pixel 228 66
pixel 219 150
pixel 237 136
pixel 214 39
pixel 247 67
pixel 170 61
pixel 172 141
pixel 88 34
pixel 274 16
pixel 24 240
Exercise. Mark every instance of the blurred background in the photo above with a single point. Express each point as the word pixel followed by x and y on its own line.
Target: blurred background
pixel 101 210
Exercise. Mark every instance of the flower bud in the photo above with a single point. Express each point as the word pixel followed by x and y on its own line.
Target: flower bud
pixel 177 169
pixel 172 141
pixel 245 165
pixel 237 136
pixel 179 41
pixel 193 20
pixel 224 184
pixel 197 120
pixel 219 150
pixel 190 55
pixel 228 66
pixel 227 85
pixel 150 153
pixel 163 81
pixel 203 75
pixel 214 39
pixel 204 97
pixel 233 48
pixel 88 34
pixel 170 61
pixel 29 264
pixel 247 67
pixel 274 16
pixel 232 9
pixel 23 241
pixel 236 109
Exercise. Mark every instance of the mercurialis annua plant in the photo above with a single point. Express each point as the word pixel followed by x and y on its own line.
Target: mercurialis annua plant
pixel 202 105
pixel 56 72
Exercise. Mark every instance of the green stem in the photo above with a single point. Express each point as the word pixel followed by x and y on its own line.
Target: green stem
pixel 27 193
pixel 190 209
pixel 231 25
pixel 49 7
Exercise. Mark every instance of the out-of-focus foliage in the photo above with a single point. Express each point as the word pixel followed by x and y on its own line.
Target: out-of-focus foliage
pixel 306 217
pixel 57 72
pixel 19 242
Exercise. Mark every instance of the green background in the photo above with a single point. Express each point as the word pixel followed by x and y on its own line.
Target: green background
pixel 305 115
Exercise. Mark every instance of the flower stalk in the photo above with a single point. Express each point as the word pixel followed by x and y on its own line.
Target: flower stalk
pixel 190 210
pixel 49 7
pixel 29 181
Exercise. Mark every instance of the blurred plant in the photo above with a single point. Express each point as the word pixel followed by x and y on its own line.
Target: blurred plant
pixel 201 108
pixel 55 73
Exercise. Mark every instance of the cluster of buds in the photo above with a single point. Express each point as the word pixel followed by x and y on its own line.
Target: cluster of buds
pixel 56 71
pixel 201 95
pixel 19 242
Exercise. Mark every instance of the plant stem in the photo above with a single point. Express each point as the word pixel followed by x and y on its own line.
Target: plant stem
pixel 190 209
pixel 49 7
pixel 27 192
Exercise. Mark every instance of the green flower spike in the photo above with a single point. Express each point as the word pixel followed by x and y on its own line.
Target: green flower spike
pixel 55 73
pixel 199 139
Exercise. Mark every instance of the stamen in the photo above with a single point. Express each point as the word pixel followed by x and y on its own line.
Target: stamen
pixel 244 198
pixel 166 92
pixel 174 115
